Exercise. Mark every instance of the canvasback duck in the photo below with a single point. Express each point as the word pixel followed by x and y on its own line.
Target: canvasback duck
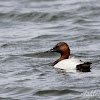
pixel 68 63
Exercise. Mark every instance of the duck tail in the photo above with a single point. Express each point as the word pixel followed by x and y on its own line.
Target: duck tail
pixel 85 67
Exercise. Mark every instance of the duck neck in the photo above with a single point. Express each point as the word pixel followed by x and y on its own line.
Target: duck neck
pixel 64 56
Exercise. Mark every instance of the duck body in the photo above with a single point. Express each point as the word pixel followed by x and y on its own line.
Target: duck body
pixel 68 63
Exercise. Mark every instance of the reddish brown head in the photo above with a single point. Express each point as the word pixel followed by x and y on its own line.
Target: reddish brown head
pixel 63 49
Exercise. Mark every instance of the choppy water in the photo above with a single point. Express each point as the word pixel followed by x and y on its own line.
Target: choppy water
pixel 30 27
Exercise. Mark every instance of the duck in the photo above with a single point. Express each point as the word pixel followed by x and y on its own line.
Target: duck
pixel 66 62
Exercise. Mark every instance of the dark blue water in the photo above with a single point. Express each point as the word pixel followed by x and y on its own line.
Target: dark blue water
pixel 30 27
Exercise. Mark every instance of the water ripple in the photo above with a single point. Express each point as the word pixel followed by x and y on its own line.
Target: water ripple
pixel 28 28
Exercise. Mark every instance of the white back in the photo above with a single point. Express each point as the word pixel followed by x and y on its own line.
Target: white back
pixel 68 64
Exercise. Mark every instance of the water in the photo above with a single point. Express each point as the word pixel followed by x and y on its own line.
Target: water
pixel 30 27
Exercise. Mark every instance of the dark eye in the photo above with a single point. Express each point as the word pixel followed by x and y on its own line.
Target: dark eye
pixel 57 46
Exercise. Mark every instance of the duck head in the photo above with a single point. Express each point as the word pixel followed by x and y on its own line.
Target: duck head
pixel 63 49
